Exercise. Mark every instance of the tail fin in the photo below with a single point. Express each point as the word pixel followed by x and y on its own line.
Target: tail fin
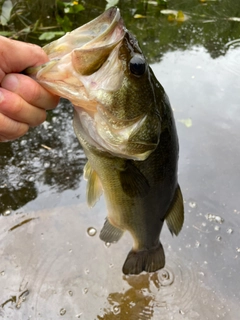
pixel 145 260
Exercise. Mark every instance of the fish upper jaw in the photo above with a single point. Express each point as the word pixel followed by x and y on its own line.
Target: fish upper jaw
pixel 75 59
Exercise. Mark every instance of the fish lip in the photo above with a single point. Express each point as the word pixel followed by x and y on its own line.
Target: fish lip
pixel 98 37
pixel 115 22
pixel 90 35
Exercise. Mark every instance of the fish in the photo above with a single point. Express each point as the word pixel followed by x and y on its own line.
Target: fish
pixel 124 122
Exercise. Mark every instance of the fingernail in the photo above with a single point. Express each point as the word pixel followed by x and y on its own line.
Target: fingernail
pixel 10 82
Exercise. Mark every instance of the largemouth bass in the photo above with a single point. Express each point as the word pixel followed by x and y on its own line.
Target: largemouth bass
pixel 124 122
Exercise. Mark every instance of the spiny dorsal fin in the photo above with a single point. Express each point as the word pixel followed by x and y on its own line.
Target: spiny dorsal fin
pixel 175 215
pixel 94 187
pixel 109 233
pixel 133 182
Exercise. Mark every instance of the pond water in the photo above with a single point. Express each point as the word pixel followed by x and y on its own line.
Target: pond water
pixel 53 264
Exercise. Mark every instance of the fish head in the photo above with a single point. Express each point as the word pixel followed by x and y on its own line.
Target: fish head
pixel 101 69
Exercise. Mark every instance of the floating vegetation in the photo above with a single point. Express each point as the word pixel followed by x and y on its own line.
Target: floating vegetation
pixel 186 122
pixel 174 15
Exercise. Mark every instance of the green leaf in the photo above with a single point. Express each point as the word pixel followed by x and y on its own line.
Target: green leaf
pixel 6 12
pixel 6 33
pixel 111 3
pixel 50 35
pixel 65 23
pixel 74 8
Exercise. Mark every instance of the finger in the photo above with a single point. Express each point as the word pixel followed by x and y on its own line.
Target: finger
pixel 14 107
pixel 30 91
pixel 17 56
pixel 11 129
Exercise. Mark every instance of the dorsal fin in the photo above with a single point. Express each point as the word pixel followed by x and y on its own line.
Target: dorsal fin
pixel 94 186
pixel 175 214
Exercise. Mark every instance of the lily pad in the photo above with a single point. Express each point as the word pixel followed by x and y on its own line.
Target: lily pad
pixel 175 15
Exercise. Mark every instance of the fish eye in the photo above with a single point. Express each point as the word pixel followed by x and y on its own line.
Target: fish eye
pixel 137 65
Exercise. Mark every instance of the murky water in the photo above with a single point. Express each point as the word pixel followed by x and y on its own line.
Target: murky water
pixel 53 264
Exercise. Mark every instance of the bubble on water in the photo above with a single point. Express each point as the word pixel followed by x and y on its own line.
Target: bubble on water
pixel 107 244
pixel 116 309
pixel 111 265
pixel 91 231
pixel 78 315
pixel 192 204
pixel 20 184
pixel 217 228
pixel 213 217
pixel 23 142
pixel 204 224
pixel 238 249
pixel 218 238
pixel 70 293
pixel 166 277
pixel 7 212
pixel 229 231
pixel 31 178
pixel 219 219
pixel 85 290
pixel 181 312
pixel 46 164
pixel 86 271
pixel 62 312
pixel 2 273
pixel 197 244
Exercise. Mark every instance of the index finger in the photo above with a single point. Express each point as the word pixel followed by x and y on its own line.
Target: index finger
pixel 17 56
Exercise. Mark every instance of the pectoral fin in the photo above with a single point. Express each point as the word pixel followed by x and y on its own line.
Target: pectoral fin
pixel 94 187
pixel 175 215
pixel 133 182
pixel 109 233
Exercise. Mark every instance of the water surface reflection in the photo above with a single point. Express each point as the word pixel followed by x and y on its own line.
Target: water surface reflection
pixel 49 263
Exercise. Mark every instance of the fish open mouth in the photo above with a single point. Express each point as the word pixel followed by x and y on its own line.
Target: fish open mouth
pixel 107 29
pixel 84 67
pixel 78 55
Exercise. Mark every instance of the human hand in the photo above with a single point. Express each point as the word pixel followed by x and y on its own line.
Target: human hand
pixel 23 102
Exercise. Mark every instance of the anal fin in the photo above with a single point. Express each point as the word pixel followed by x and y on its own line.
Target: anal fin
pixel 175 214
pixel 149 260
pixel 109 233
